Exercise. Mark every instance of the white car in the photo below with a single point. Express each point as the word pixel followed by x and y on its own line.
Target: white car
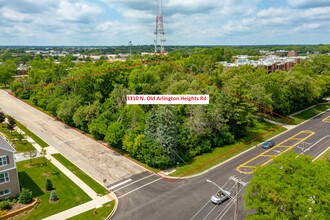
pixel 220 197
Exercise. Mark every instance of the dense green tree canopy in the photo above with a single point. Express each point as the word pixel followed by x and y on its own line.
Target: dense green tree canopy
pixel 7 71
pixel 92 97
pixel 290 188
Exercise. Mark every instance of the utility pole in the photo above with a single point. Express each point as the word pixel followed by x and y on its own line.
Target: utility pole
pixel 238 182
pixel 130 48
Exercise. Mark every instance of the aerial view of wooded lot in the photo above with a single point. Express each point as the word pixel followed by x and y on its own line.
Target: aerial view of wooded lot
pixel 91 96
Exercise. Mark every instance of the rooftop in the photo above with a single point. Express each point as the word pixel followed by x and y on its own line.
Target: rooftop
pixel 5 146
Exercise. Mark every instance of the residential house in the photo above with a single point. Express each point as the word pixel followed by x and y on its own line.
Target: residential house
pixel 9 183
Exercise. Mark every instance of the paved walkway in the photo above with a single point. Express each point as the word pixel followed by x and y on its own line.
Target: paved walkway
pixel 288 127
pixel 96 202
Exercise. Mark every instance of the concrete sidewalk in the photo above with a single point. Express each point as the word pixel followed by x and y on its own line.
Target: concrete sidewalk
pixel 96 202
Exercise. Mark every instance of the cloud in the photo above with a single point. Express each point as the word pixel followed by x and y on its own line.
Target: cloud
pixel 76 11
pixel 29 6
pixel 115 22
pixel 308 3
pixel 9 14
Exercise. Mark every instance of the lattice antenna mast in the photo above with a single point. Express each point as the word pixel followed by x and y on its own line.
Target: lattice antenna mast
pixel 160 34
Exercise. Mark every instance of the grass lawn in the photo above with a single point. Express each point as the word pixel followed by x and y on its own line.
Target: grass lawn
pixel 16 139
pixel 81 175
pixel 205 161
pixel 34 178
pixel 101 213
pixel 303 116
pixel 32 135
pixel 325 156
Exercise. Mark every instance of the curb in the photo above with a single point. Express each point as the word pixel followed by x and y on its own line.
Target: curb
pixel 115 207
pixel 228 160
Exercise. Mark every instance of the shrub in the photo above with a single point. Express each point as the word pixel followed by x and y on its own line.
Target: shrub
pixel 49 185
pixel 53 196
pixel 25 196
pixel 5 205
pixel 2 117
pixel 11 123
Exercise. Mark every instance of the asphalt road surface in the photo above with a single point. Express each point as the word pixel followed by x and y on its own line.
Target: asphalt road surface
pixel 92 157
pixel 147 196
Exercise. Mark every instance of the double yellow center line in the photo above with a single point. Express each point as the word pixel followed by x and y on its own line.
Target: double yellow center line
pixel 267 156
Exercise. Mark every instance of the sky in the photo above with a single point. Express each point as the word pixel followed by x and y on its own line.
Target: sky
pixel 186 22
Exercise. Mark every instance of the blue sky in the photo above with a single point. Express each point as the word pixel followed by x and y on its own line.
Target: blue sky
pixel 186 22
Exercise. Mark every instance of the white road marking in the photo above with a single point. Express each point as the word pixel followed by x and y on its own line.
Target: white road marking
pixel 328 136
pixel 138 188
pixel 134 182
pixel 210 212
pixel 321 153
pixel 200 209
pixel 119 184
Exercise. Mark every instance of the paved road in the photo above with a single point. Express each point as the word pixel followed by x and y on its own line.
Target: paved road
pixel 92 157
pixel 143 195
pixel 147 196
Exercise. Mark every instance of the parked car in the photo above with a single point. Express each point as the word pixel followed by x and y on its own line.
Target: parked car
pixel 220 197
pixel 268 144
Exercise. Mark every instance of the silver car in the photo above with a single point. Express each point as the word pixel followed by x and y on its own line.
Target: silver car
pixel 220 197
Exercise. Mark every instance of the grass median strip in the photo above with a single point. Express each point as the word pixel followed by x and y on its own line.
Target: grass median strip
pixel 95 214
pixel 16 139
pixel 307 114
pixel 200 161
pixel 34 178
pixel 325 156
pixel 81 175
pixel 32 135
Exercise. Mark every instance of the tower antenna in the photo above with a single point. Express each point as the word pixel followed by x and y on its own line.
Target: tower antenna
pixel 160 34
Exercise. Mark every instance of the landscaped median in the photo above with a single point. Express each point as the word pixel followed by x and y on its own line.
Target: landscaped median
pixel 31 135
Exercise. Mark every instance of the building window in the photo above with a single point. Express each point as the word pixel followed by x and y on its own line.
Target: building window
pixel 4 192
pixel 3 160
pixel 4 177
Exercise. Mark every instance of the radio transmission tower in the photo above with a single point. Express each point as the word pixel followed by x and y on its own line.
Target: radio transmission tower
pixel 160 34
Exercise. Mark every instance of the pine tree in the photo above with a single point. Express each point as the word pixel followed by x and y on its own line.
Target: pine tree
pixel 49 185
pixel 167 131
pixel 151 125
pixel 53 196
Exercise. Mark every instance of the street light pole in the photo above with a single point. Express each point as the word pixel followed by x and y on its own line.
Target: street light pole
pixel 207 180
pixel 237 183
pixel 224 191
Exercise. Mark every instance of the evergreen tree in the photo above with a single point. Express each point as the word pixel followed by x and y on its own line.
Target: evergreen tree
pixel 53 196
pixel 167 131
pixel 48 185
